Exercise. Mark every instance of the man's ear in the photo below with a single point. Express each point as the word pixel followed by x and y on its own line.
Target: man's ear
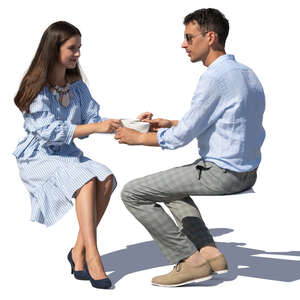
pixel 214 41
pixel 212 38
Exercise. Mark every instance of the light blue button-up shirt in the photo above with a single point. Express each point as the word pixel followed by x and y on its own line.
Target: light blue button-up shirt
pixel 225 116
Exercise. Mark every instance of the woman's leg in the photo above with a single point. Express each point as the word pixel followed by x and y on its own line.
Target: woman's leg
pixel 103 193
pixel 87 217
pixel 104 190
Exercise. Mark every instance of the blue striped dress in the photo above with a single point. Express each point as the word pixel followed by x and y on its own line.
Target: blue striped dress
pixel 51 166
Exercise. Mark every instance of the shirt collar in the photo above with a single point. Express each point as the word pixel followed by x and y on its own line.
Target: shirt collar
pixel 221 59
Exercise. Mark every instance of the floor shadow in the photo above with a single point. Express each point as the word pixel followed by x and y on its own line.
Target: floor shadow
pixel 242 262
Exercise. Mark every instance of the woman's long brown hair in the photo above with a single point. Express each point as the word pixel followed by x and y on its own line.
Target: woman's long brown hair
pixel 43 62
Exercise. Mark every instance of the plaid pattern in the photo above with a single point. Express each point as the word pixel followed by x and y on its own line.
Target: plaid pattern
pixel 173 187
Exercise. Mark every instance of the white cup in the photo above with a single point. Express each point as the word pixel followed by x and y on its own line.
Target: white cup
pixel 136 124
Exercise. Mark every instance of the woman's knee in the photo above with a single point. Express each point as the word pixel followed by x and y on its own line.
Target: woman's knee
pixel 89 184
pixel 106 185
pixel 109 180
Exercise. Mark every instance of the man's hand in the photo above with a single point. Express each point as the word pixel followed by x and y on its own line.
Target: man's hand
pixel 128 136
pixel 145 116
pixel 108 126
pixel 155 124
pixel 132 137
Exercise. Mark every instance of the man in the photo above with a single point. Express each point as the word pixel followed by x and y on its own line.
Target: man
pixel 226 118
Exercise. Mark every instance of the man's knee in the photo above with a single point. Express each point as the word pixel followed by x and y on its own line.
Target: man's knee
pixel 128 192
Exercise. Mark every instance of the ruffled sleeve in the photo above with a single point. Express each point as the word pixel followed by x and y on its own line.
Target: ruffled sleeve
pixel 89 107
pixel 41 122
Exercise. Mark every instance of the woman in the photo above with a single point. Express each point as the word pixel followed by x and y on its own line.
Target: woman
pixel 57 107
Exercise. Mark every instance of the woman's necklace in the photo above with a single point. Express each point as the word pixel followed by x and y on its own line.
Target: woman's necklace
pixel 62 94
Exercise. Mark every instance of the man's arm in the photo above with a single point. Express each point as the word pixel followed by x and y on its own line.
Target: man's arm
pixel 149 139
pixel 174 122
pixel 156 123
pixel 206 108
pixel 133 137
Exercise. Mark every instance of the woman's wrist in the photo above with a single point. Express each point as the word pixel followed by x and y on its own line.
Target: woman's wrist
pixel 84 130
pixel 96 127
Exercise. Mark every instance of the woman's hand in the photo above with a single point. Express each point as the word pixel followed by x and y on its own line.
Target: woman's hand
pixel 108 126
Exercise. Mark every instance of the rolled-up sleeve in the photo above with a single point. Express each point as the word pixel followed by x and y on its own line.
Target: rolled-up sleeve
pixel 205 110
pixel 41 122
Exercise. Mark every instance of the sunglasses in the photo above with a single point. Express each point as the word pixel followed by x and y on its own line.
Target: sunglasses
pixel 189 37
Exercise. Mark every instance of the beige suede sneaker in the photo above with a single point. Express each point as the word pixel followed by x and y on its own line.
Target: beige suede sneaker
pixel 184 273
pixel 218 264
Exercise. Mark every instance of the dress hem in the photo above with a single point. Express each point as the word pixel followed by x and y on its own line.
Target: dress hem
pixel 65 203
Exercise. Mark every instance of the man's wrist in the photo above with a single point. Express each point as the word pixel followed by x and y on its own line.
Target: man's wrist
pixel 148 139
pixel 174 123
pixel 141 138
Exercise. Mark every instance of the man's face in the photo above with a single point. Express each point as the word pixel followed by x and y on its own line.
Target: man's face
pixel 196 42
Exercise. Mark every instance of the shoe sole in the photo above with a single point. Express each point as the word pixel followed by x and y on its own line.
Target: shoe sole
pixel 186 282
pixel 220 272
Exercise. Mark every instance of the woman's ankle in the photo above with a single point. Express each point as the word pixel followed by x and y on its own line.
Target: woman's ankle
pixel 78 250
pixel 91 253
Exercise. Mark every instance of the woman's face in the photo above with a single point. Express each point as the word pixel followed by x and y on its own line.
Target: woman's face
pixel 70 52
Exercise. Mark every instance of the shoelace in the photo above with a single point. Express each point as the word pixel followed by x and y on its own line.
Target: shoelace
pixel 178 267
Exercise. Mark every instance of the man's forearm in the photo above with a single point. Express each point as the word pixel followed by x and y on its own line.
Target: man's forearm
pixel 174 122
pixel 148 139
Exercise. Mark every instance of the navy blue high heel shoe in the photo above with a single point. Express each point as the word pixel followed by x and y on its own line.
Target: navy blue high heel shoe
pixel 100 283
pixel 80 275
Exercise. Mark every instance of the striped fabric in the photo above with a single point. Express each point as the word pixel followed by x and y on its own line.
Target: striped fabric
pixel 51 166
pixel 225 116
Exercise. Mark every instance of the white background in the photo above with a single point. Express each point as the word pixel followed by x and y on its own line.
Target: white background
pixel 132 58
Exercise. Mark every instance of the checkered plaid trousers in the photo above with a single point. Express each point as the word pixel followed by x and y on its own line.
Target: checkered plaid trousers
pixel 173 187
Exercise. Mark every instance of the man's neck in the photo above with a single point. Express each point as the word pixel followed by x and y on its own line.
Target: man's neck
pixel 212 56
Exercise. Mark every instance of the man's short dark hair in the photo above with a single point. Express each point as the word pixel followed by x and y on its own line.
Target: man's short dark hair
pixel 210 19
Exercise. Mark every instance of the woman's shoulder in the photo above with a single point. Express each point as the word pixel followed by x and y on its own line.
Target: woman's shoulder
pixel 41 102
pixel 78 84
pixel 80 88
